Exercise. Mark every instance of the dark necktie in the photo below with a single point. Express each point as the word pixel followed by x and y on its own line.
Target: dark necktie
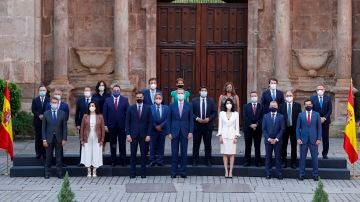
pixel 87 101
pixel 321 101
pixel 116 103
pixel 139 111
pixel 203 112
pixel 54 115
pixel 158 111
pixel 254 108
pixel 289 112
pixel 273 118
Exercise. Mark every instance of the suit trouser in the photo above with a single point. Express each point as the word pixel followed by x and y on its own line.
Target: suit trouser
pixel 138 141
pixel 182 141
pixel 117 136
pixel 325 138
pixel 58 154
pixel 202 132
pixel 157 146
pixel 314 158
pixel 249 137
pixel 39 148
pixel 270 148
pixel 289 133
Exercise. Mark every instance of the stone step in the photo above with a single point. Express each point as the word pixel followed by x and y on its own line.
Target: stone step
pixel 30 160
pixel 215 170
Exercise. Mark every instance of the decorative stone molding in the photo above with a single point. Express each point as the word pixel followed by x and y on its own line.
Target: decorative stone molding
pixel 93 58
pixel 313 60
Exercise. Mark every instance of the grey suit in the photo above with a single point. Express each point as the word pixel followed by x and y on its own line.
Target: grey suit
pixel 54 131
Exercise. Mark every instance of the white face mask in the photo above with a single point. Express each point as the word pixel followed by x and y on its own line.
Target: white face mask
pixel 181 97
pixel 153 86
pixel 203 93
pixel 272 86
pixel 320 92
pixel 92 109
pixel 101 88
pixel 87 93
pixel 228 106
pixel 289 99
pixel 254 99
pixel 58 97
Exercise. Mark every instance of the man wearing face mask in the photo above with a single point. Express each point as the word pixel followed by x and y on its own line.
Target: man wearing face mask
pixel 181 126
pixel 273 127
pixel 138 132
pixel 204 114
pixel 179 84
pixel 158 131
pixel 54 135
pixel 290 110
pixel 114 113
pixel 322 104
pixel 149 93
pixel 308 135
pixel 82 105
pixel 38 107
pixel 253 114
pixel 271 94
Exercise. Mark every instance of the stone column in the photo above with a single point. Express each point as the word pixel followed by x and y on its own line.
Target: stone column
pixel 343 57
pixel 282 49
pixel 150 6
pixel 121 45
pixel 61 48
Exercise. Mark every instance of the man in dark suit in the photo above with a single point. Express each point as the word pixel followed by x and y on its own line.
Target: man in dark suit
pixel 82 106
pixel 149 93
pixel 158 131
pixel 181 126
pixel 38 106
pixel 308 135
pixel 137 132
pixel 271 94
pixel 54 135
pixel 253 114
pixel 290 110
pixel 273 127
pixel 204 114
pixel 63 106
pixel 322 104
pixel 114 113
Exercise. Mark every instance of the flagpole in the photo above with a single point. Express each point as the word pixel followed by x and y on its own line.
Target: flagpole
pixel 7 165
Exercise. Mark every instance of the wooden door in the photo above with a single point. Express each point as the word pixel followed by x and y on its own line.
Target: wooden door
pixel 206 44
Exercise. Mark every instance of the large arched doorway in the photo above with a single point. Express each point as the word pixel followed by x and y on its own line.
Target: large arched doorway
pixel 206 44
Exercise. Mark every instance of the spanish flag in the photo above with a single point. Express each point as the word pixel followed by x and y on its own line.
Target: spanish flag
pixel 350 146
pixel 6 136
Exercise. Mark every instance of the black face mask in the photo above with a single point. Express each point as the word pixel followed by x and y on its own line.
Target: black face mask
pixel 139 100
pixel 180 86
pixel 273 109
pixel 308 108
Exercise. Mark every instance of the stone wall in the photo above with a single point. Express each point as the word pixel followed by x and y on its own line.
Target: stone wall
pixel 20 45
pixel 356 53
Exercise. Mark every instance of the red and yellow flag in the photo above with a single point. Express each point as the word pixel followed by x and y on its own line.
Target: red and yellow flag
pixel 350 146
pixel 6 136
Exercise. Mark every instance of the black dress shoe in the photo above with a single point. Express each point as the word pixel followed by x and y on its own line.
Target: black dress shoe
pixel 316 178
pixel 268 177
pixel 173 176
pixel 38 156
pixel 132 176
pixel 208 163
pixel 81 165
pixel 143 176
pixel 64 165
pixel 60 176
pixel 152 164
pixel 160 164
pixel 47 176
pixel 123 164
pixel 293 166
pixel 284 165
pixel 183 176
pixel 247 164
pixel 280 177
pixel 195 163
pixel 113 164
pixel 301 178
pixel 325 157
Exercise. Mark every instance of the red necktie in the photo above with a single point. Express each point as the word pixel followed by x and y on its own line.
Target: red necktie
pixel 308 118
pixel 180 108
pixel 116 103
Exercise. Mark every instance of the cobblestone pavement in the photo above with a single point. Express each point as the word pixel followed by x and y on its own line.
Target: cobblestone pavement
pixel 190 189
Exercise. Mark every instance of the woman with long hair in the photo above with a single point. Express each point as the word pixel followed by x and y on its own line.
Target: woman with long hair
pixel 229 92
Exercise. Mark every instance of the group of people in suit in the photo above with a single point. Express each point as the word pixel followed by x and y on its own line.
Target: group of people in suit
pixel 108 117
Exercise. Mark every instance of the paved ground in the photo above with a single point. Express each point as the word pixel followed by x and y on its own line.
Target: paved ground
pixel 190 189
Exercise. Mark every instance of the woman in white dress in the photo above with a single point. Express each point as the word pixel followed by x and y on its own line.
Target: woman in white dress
pixel 228 134
pixel 92 135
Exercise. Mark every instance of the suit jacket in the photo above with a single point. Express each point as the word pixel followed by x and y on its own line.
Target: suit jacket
pixel 38 108
pixel 115 117
pixel 100 100
pixel 54 128
pixel 85 128
pixel 135 125
pixel 271 130
pixel 156 120
pixel 81 109
pixel 183 123
pixel 63 107
pixel 210 111
pixel 147 97
pixel 266 99
pixel 309 133
pixel 325 110
pixel 251 118
pixel 296 110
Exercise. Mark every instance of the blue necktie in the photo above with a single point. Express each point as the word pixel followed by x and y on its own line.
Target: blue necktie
pixel 158 111
pixel 289 111
pixel 203 115
pixel 273 94
pixel 321 102
pixel 54 115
